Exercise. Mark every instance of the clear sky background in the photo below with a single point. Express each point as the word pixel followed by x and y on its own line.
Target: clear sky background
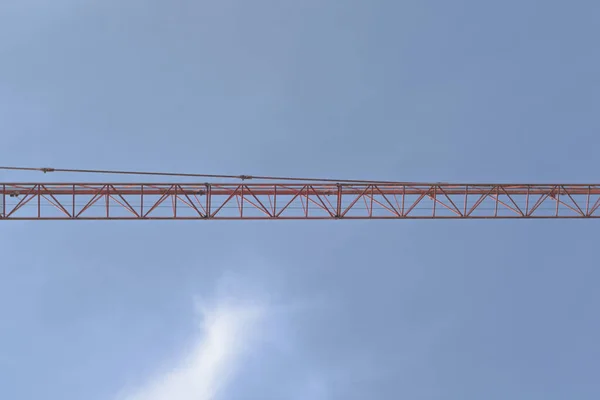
pixel 405 90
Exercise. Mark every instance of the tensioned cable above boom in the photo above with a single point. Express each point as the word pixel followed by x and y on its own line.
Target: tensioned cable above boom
pixel 194 175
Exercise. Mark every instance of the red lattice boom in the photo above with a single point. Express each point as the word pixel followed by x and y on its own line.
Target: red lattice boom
pixel 282 201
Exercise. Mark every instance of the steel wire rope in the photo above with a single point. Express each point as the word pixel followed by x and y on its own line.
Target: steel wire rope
pixel 212 176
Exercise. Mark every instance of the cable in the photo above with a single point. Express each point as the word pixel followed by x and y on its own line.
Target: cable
pixel 215 176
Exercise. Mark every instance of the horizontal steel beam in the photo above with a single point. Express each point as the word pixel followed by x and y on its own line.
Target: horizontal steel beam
pixel 285 201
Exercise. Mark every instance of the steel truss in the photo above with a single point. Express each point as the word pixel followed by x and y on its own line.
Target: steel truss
pixel 297 201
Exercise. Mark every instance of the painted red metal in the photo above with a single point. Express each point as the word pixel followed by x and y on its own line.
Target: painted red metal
pixel 295 201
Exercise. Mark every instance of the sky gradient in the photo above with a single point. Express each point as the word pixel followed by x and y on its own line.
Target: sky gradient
pixel 403 90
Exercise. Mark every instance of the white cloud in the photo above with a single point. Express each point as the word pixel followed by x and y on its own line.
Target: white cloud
pixel 228 328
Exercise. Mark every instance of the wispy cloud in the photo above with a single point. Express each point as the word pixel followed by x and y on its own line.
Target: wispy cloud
pixel 228 327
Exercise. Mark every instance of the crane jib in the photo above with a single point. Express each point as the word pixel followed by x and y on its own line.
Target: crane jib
pixel 294 200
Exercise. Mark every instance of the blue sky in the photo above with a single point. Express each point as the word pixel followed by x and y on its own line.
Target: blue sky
pixel 414 90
